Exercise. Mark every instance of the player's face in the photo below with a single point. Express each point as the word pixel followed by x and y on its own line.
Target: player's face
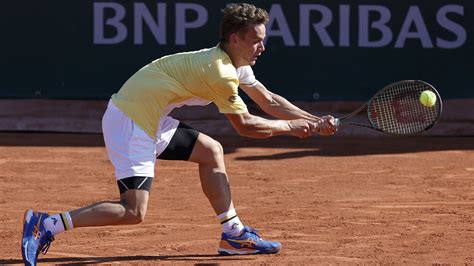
pixel 251 45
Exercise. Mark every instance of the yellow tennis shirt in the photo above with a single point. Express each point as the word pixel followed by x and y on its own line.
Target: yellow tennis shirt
pixel 190 78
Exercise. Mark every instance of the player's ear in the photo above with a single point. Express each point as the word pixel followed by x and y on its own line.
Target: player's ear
pixel 234 38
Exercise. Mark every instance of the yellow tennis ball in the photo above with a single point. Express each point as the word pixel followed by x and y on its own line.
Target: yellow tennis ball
pixel 428 98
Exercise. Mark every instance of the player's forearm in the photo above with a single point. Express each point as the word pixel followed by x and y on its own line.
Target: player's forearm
pixel 258 127
pixel 283 109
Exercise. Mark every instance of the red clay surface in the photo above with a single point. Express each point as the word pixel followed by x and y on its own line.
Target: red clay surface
pixel 328 200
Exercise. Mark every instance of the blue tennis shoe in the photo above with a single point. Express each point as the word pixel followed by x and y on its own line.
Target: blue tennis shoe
pixel 35 237
pixel 247 243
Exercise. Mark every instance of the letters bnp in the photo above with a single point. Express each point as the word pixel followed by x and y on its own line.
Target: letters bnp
pixel 370 26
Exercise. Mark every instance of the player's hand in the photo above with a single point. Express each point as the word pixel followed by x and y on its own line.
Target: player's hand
pixel 301 128
pixel 326 126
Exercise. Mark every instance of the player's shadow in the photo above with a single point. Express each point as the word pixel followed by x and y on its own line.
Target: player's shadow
pixel 197 259
pixel 281 156
pixel 340 147
pixel 337 146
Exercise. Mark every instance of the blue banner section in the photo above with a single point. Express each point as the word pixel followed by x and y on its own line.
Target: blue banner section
pixel 315 50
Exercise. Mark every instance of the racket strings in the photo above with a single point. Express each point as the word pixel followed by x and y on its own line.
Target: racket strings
pixel 397 109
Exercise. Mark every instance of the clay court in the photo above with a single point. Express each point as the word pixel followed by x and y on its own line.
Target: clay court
pixel 339 200
pixel 356 198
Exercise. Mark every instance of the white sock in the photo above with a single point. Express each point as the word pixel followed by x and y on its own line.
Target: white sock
pixel 58 223
pixel 231 223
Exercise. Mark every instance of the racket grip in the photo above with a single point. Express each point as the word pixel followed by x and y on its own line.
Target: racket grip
pixel 337 122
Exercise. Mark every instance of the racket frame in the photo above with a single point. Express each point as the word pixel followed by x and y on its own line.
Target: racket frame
pixel 340 121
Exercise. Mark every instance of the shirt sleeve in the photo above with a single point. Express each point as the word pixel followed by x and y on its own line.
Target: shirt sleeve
pixel 246 76
pixel 226 97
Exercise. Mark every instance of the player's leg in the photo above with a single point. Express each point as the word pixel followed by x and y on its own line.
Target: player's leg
pixel 209 154
pixel 188 144
pixel 133 155
pixel 130 209
pixel 39 228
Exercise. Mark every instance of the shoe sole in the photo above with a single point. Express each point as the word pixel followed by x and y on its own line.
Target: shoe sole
pixel 227 252
pixel 26 219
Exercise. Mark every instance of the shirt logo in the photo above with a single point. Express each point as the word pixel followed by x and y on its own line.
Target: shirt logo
pixel 233 98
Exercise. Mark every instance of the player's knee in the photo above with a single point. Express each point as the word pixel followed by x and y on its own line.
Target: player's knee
pixel 210 151
pixel 134 211
pixel 207 151
pixel 215 150
pixel 136 216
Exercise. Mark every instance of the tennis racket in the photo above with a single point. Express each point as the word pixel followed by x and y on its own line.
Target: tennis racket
pixel 396 109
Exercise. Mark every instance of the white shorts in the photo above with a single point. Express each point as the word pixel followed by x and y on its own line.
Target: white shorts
pixel 131 151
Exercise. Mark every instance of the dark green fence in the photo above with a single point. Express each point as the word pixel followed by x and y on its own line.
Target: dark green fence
pixel 325 50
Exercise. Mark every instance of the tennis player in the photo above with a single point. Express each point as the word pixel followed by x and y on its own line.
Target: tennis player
pixel 137 130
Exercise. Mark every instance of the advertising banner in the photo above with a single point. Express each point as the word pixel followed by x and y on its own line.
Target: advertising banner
pixel 315 50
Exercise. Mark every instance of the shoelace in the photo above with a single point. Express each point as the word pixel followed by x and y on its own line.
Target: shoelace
pixel 252 231
pixel 45 247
